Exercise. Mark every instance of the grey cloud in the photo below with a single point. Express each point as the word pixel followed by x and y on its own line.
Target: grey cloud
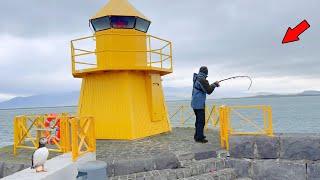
pixel 246 36
pixel 240 36
pixel 35 68
pixel 46 18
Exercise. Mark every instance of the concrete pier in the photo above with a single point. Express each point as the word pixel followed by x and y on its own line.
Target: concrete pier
pixel 161 152
pixel 175 155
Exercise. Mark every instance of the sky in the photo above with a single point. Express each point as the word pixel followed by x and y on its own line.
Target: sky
pixel 239 37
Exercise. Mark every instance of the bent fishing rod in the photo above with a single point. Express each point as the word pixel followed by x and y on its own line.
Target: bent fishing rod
pixel 234 77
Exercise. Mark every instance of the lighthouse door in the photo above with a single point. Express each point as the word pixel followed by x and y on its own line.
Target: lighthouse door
pixel 157 98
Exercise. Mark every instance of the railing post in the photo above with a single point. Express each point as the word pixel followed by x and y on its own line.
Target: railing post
pixel 228 129
pixel 38 126
pixel 92 135
pixel 170 56
pixel 23 122
pixel 222 126
pixel 181 115
pixel 65 133
pixel 15 135
pixel 270 127
pixel 207 116
pixel 75 144
pixel 265 119
pixel 161 58
pixel 72 58
pixel 168 117
pixel 150 51
pixel 68 135
pixel 215 116
pixel 62 133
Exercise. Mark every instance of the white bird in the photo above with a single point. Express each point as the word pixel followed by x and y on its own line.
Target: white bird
pixel 40 156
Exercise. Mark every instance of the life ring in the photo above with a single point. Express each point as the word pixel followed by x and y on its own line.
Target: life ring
pixel 55 137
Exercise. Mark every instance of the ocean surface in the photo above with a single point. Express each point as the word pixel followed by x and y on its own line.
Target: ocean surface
pixel 300 114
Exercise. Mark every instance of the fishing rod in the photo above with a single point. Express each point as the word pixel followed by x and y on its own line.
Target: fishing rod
pixel 234 77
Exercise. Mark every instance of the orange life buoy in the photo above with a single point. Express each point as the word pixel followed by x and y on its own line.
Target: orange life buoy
pixel 52 138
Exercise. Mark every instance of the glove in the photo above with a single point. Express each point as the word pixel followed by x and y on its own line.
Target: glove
pixel 216 84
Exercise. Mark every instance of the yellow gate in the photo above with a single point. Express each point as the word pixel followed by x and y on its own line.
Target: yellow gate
pixel 261 122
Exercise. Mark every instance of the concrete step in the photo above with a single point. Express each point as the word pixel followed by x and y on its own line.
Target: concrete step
pixel 192 168
pixel 226 174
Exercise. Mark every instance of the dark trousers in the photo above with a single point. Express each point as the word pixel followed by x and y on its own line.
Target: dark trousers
pixel 200 123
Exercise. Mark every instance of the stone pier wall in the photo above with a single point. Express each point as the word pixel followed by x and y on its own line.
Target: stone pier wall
pixel 8 168
pixel 285 156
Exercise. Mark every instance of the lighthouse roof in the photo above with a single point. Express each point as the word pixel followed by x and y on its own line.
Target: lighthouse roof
pixel 119 8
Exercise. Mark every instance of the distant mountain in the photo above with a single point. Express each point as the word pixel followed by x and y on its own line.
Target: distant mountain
pixel 304 93
pixel 171 93
pixel 310 93
pixel 71 99
pixel 44 100
pixel 263 94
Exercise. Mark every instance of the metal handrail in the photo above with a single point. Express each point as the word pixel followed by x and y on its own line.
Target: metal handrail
pixel 83 52
pixel 75 137
pixel 85 63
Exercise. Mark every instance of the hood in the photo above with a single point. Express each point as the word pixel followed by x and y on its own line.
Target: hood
pixel 203 69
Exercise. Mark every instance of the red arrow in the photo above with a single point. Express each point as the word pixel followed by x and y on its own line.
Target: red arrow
pixel 293 34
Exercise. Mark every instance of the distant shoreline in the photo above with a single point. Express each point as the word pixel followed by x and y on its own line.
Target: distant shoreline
pixel 258 96
pixel 278 95
pixel 48 107
pixel 174 100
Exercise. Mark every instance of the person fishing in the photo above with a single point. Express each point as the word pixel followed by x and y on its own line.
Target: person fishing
pixel 201 88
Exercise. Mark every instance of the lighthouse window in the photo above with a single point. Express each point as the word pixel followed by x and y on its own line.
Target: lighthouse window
pixel 122 22
pixel 142 25
pixel 101 24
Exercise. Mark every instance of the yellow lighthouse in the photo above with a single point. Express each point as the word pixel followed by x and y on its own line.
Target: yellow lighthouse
pixel 121 68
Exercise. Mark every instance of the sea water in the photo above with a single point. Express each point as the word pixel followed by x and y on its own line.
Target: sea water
pixel 300 114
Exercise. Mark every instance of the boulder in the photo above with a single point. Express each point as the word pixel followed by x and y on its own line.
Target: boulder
pixel 241 146
pixel 300 147
pixel 267 147
pixel 313 171
pixel 279 170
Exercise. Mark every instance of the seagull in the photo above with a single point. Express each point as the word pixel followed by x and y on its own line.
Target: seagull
pixel 40 156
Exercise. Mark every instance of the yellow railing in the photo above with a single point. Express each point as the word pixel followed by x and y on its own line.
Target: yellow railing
pixel 184 113
pixel 228 114
pixel 83 136
pixel 158 58
pixel 29 129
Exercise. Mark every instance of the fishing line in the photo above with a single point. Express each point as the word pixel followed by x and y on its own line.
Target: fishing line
pixel 234 77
